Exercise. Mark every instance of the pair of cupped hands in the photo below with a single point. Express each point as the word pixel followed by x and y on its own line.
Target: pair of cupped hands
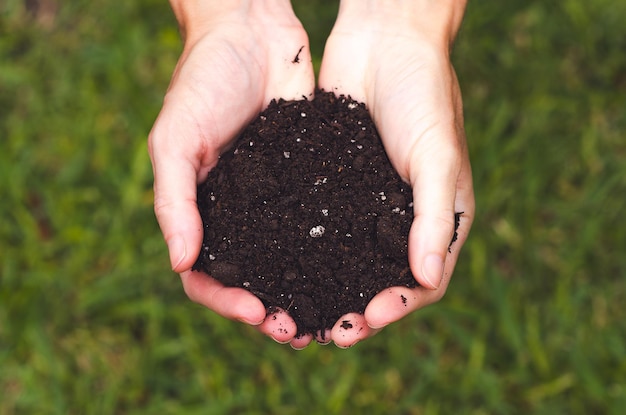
pixel 395 58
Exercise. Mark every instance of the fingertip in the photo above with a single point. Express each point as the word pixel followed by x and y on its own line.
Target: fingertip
pixel 392 305
pixel 349 330
pixel 279 326
pixel 301 342
pixel 323 337
pixel 230 302
pixel 244 306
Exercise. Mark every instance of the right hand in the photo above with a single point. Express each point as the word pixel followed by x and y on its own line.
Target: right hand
pixel 236 59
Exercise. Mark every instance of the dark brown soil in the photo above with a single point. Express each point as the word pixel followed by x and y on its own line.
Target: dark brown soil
pixel 307 213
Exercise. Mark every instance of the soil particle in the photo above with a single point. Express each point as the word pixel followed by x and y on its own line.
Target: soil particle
pixel 306 212
pixel 296 59
pixel 346 325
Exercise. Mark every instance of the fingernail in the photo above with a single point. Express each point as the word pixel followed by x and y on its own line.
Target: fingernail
pixel 178 251
pixel 278 341
pixel 432 270
pixel 348 346
pixel 378 327
pixel 297 348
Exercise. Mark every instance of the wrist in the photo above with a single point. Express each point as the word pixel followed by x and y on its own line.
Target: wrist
pixel 197 17
pixel 194 15
pixel 437 21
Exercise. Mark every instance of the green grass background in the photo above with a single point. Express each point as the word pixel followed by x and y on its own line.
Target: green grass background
pixel 92 321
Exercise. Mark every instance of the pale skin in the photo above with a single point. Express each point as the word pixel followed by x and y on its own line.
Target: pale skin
pixel 394 56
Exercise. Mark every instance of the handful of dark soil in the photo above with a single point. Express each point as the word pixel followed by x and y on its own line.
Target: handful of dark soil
pixel 307 213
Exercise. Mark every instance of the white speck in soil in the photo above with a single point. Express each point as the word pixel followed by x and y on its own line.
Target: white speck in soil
pixel 286 154
pixel 317 231
pixel 325 212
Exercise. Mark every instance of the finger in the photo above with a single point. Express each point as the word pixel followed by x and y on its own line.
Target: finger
pixel 434 173
pixel 175 181
pixel 184 145
pixel 323 337
pixel 300 342
pixel 232 303
pixel 395 303
pixel 351 329
pixel 279 326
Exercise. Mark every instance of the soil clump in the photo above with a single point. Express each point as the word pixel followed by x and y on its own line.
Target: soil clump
pixel 306 212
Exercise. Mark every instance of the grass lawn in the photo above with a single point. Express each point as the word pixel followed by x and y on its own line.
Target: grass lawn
pixel 92 321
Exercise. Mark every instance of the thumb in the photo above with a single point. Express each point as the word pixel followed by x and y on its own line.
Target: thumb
pixel 434 193
pixel 175 206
